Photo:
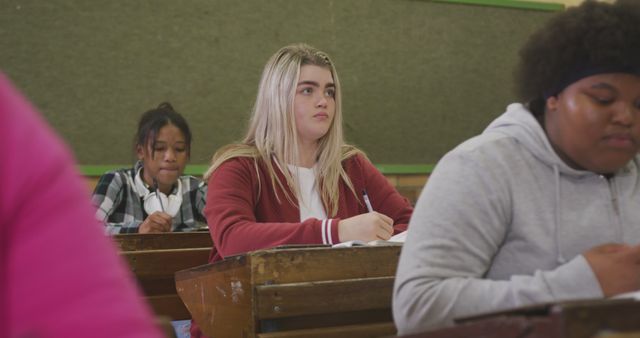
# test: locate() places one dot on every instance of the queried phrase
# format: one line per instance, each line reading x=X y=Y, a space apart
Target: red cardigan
x=242 y=218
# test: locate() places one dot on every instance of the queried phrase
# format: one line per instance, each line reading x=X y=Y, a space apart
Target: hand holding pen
x=366 y=227
x=157 y=222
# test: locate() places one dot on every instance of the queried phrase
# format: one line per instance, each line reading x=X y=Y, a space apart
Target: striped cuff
x=327 y=237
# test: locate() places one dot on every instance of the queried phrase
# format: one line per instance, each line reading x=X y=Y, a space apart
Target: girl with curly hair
x=543 y=205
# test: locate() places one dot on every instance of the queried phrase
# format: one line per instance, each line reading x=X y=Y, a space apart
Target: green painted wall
x=418 y=76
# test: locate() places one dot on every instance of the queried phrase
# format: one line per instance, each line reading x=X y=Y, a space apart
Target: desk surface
x=576 y=319
x=164 y=240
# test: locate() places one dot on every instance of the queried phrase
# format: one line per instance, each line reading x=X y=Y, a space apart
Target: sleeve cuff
x=329 y=231
x=129 y=230
x=574 y=280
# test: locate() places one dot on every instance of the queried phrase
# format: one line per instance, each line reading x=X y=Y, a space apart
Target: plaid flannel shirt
x=121 y=209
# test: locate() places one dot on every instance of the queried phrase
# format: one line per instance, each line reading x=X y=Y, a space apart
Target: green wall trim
x=395 y=169
x=198 y=169
x=98 y=170
x=521 y=4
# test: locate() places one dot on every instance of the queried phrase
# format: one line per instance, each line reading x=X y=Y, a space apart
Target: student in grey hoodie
x=544 y=205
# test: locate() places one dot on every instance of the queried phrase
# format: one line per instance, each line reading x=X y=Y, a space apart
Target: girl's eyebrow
x=314 y=83
x=604 y=85
x=309 y=82
x=165 y=142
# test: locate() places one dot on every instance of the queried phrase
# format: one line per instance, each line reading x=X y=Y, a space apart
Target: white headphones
x=152 y=199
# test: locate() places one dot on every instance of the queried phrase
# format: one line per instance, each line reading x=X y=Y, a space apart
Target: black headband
x=586 y=71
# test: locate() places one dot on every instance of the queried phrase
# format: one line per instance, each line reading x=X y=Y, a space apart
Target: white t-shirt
x=310 y=202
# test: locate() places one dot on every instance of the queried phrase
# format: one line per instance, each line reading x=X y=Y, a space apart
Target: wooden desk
x=165 y=240
x=154 y=260
x=580 y=319
x=294 y=292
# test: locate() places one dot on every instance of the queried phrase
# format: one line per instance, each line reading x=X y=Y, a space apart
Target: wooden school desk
x=578 y=319
x=154 y=260
x=163 y=240
x=294 y=292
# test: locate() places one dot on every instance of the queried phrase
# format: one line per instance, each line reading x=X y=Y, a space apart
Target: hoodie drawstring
x=613 y=190
x=556 y=217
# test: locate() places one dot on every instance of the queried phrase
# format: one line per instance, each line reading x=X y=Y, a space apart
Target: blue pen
x=367 y=201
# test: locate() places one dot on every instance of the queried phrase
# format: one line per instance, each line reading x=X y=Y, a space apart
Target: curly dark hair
x=594 y=35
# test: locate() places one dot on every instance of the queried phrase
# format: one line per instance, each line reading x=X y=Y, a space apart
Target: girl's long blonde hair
x=272 y=134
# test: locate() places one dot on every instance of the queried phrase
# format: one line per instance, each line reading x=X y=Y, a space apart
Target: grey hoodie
x=503 y=221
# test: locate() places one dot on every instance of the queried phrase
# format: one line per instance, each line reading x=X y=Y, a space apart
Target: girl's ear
x=140 y=152
x=551 y=104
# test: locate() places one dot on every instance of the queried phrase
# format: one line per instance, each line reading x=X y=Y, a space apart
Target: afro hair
x=593 y=35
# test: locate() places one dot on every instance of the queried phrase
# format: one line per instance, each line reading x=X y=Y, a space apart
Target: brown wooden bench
x=154 y=263
x=296 y=292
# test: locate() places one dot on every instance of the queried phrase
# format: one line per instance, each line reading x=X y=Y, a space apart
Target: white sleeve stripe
x=329 y=231
x=323 y=230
